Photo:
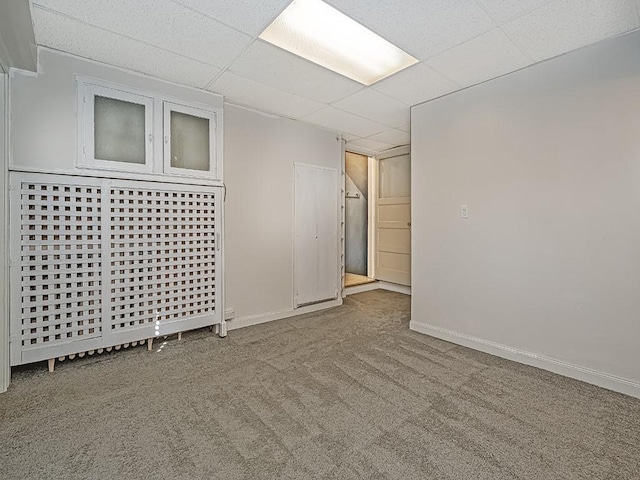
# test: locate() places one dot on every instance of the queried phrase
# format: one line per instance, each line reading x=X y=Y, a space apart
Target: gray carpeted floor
x=342 y=394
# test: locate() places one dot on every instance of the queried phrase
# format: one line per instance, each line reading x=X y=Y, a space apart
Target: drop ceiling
x=214 y=45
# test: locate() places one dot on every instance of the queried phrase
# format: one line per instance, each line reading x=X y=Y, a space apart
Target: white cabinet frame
x=214 y=155
x=158 y=107
x=86 y=127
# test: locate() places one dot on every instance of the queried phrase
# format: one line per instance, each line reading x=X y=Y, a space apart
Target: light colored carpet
x=342 y=394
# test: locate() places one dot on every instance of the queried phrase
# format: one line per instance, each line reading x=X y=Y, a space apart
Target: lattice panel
x=162 y=260
x=60 y=264
x=95 y=262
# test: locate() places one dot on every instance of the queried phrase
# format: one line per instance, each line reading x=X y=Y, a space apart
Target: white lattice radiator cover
x=101 y=262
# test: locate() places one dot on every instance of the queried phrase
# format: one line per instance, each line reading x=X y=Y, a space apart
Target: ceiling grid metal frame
x=214 y=45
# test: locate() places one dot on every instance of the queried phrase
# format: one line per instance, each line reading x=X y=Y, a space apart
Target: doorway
x=377 y=217
x=357 y=220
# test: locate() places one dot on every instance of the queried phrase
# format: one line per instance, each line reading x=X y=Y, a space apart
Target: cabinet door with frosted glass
x=117 y=129
x=190 y=143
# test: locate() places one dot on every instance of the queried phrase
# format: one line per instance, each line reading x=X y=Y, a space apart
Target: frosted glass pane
x=395 y=177
x=119 y=130
x=189 y=141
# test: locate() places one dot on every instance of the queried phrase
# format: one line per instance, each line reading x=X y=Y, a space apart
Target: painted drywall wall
x=5 y=373
x=43 y=108
x=356 y=213
x=546 y=269
x=259 y=154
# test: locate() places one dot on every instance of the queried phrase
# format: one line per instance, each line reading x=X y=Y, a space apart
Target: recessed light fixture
x=320 y=33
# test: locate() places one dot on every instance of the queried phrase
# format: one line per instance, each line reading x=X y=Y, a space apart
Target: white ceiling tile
x=273 y=66
x=421 y=28
x=457 y=37
x=564 y=25
x=367 y=145
x=62 y=33
x=340 y=121
x=162 y=23
x=249 y=93
x=487 y=56
x=415 y=85
x=392 y=137
x=247 y=15
x=376 y=106
x=504 y=10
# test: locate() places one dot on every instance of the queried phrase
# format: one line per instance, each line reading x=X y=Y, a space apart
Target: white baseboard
x=365 y=287
x=601 y=379
x=249 y=320
x=392 y=287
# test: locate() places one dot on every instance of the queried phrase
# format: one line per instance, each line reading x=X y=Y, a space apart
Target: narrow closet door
x=316 y=234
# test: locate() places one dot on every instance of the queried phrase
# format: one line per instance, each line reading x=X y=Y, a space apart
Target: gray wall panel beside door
x=356 y=213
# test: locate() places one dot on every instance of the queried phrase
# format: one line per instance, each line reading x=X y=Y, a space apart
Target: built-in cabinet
x=118 y=125
x=126 y=245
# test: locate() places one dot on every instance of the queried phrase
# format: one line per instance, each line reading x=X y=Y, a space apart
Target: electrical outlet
x=229 y=314
x=464 y=211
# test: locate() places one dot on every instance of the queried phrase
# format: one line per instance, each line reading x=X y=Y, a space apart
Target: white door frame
x=5 y=370
x=371 y=221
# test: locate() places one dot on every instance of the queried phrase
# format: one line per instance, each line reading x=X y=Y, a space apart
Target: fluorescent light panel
x=320 y=33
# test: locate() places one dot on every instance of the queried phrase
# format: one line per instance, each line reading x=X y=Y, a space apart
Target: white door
x=316 y=271
x=393 y=219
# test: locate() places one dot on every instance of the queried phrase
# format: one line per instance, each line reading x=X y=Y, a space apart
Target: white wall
x=546 y=270
x=4 y=235
x=259 y=154
x=43 y=108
